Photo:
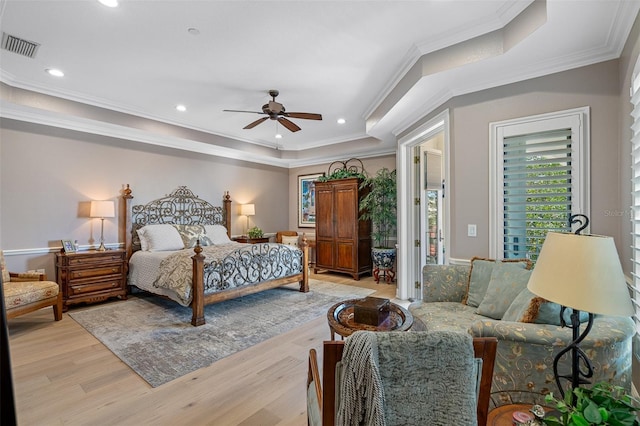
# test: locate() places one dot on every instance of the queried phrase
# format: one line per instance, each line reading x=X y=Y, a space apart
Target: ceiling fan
x=276 y=111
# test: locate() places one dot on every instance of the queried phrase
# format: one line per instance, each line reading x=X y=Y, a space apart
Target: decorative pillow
x=508 y=279
x=161 y=237
x=480 y=275
x=290 y=241
x=190 y=235
x=217 y=234
x=527 y=307
x=144 y=244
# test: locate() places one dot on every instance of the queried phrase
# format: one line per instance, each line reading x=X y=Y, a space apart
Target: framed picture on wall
x=68 y=247
x=307 y=200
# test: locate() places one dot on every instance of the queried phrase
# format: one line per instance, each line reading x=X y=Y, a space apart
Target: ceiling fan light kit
x=276 y=111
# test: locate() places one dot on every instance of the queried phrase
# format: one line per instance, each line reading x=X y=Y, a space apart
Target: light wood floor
x=64 y=376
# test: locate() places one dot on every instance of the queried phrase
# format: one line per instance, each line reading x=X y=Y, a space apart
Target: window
x=539 y=179
x=635 y=191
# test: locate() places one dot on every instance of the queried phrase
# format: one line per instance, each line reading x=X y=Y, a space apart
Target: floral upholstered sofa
x=489 y=298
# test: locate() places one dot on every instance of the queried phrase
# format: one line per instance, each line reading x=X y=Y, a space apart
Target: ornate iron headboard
x=181 y=207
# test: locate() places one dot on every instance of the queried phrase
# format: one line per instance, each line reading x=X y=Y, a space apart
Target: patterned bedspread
x=228 y=266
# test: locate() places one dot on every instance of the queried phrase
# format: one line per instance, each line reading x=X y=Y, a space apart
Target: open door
x=432 y=243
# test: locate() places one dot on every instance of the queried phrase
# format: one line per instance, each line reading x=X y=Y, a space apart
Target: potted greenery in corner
x=602 y=404
x=380 y=206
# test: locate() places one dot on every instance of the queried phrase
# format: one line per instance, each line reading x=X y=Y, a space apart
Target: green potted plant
x=380 y=206
x=602 y=404
x=255 y=232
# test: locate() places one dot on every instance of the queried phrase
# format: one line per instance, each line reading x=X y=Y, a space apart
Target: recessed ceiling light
x=181 y=108
x=109 y=3
x=341 y=121
x=278 y=136
x=55 y=72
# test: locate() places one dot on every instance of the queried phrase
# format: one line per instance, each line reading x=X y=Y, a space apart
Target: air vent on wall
x=18 y=45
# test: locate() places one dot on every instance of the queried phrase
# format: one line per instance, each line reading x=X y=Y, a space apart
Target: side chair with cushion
x=287 y=237
x=437 y=378
x=28 y=292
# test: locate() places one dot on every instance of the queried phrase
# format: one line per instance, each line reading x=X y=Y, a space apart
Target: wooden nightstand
x=91 y=276
x=251 y=240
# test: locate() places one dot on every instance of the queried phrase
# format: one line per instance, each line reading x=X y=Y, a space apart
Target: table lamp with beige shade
x=102 y=210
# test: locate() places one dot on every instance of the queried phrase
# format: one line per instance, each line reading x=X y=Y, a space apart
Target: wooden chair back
x=483 y=347
x=281 y=234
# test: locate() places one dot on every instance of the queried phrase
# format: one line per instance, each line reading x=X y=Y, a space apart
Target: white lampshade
x=582 y=272
x=102 y=209
x=248 y=210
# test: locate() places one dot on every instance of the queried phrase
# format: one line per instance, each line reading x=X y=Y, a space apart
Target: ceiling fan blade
x=305 y=115
x=255 y=123
x=289 y=124
x=236 y=110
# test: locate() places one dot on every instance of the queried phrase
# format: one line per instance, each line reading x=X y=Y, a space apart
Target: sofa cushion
x=527 y=307
x=444 y=316
x=507 y=281
x=480 y=275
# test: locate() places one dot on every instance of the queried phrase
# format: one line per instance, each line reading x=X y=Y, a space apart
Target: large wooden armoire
x=343 y=242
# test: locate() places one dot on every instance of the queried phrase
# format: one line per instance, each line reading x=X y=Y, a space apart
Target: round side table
x=340 y=318
x=503 y=415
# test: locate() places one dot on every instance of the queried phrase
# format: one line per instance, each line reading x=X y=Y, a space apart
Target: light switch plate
x=472 y=230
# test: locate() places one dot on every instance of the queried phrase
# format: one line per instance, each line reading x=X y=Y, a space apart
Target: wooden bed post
x=304 y=284
x=226 y=203
x=197 y=290
x=128 y=238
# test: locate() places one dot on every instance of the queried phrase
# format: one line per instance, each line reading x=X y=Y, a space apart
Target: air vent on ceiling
x=18 y=45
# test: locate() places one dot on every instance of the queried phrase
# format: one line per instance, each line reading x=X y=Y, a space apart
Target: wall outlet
x=472 y=230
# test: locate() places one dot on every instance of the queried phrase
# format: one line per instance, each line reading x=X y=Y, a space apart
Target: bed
x=202 y=265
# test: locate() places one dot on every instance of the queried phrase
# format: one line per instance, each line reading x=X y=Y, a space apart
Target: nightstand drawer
x=91 y=260
x=95 y=272
x=93 y=287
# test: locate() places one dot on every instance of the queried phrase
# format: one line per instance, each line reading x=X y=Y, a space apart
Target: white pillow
x=161 y=237
x=217 y=234
x=290 y=241
x=144 y=245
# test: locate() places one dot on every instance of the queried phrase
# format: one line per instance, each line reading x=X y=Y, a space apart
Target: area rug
x=155 y=337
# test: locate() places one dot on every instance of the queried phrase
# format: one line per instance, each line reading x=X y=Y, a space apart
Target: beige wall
x=595 y=86
x=48 y=174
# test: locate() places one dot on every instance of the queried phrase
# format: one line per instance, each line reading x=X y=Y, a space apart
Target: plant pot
x=383 y=260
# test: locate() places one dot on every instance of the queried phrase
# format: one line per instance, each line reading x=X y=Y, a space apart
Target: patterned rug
x=155 y=337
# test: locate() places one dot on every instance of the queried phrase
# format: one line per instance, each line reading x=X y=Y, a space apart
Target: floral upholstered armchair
x=527 y=328
x=28 y=292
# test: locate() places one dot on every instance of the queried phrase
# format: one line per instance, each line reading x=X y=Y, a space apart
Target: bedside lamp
x=102 y=209
x=247 y=210
x=581 y=272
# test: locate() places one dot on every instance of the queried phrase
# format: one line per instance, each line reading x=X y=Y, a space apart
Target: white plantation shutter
x=536 y=190
x=538 y=178
x=635 y=195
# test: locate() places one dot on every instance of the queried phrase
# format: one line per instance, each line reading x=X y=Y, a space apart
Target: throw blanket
x=409 y=378
x=227 y=266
